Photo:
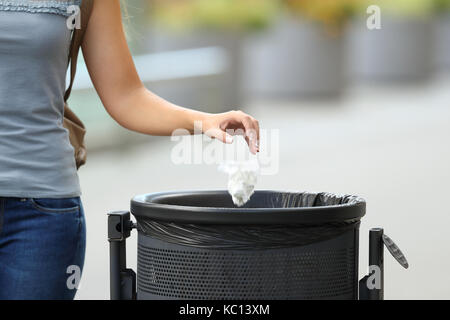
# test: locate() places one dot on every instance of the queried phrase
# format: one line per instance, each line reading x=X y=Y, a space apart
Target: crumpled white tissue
x=242 y=178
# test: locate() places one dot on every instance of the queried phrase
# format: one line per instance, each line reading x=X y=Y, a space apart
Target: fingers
x=250 y=134
x=251 y=127
x=219 y=134
x=235 y=123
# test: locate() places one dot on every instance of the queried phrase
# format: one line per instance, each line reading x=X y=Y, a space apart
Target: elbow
x=120 y=102
x=124 y=107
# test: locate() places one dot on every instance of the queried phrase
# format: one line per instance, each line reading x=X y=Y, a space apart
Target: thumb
x=219 y=134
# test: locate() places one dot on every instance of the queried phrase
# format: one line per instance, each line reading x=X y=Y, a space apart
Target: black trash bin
x=280 y=245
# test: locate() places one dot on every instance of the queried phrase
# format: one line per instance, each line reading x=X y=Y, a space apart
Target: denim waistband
x=2 y=211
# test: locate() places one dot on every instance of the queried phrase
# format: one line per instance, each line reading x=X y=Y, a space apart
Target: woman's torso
x=36 y=158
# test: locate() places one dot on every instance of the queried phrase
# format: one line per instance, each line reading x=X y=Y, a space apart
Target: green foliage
x=408 y=8
x=442 y=5
x=214 y=14
x=331 y=13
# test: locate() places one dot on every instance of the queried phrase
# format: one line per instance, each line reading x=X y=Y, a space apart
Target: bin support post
x=371 y=287
x=122 y=280
x=376 y=262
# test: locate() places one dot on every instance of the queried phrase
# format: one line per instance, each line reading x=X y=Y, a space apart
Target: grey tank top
x=36 y=157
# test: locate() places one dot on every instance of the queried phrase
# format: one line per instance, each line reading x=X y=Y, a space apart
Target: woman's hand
x=223 y=126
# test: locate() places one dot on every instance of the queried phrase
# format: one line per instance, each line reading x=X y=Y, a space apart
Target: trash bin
x=199 y=245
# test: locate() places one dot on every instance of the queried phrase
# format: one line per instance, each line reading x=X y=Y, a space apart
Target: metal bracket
x=122 y=280
x=119 y=225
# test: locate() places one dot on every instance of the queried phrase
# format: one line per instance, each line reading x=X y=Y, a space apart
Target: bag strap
x=77 y=40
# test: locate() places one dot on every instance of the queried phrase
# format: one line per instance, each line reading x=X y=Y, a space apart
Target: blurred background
x=360 y=111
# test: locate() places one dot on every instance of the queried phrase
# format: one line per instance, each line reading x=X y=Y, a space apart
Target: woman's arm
x=124 y=96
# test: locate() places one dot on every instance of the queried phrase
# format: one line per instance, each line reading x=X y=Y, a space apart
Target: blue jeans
x=42 y=247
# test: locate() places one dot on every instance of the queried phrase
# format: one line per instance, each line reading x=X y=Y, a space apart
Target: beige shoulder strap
x=77 y=40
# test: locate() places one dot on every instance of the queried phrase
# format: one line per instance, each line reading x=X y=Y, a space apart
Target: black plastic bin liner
x=269 y=220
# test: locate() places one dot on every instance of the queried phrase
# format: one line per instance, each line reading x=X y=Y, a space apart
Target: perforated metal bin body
x=320 y=268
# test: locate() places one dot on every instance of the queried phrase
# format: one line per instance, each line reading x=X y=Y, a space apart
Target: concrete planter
x=442 y=41
x=211 y=93
x=294 y=59
x=400 y=51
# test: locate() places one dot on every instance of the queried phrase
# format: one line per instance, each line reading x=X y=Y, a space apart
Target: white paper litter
x=242 y=178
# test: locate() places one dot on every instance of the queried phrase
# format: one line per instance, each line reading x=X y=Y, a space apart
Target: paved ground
x=390 y=146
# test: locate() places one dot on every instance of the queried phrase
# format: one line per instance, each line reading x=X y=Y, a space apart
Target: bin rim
x=143 y=207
